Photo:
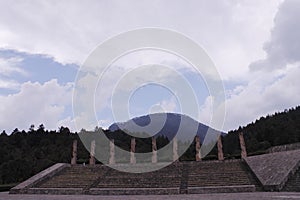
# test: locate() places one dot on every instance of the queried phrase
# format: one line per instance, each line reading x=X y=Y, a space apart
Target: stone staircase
x=220 y=176
x=279 y=171
x=164 y=181
x=293 y=184
x=168 y=177
x=177 y=178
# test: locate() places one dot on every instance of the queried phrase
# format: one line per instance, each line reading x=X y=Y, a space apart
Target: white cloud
x=284 y=46
x=8 y=67
x=268 y=93
x=35 y=104
x=206 y=111
x=67 y=122
x=231 y=31
x=11 y=65
x=8 y=84
x=168 y=105
x=273 y=81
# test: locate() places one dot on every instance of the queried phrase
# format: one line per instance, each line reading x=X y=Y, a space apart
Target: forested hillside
x=25 y=153
x=273 y=130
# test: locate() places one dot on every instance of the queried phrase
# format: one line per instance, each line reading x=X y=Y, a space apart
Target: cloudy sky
x=254 y=45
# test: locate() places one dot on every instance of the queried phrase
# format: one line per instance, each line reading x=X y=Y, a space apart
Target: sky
x=254 y=45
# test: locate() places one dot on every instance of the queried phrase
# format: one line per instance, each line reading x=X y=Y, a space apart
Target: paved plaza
x=225 y=196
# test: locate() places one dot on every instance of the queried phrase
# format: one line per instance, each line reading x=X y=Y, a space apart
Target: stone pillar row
x=198 y=146
x=154 y=150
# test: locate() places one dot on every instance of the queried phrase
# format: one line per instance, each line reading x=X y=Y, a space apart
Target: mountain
x=153 y=124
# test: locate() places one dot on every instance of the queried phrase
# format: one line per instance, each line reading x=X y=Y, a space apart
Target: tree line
x=25 y=153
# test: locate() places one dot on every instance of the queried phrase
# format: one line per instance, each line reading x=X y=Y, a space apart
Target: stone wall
x=287 y=147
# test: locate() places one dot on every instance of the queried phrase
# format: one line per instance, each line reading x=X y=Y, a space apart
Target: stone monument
x=197 y=140
x=112 y=152
x=154 y=150
x=74 y=154
x=243 y=146
x=132 y=151
x=92 y=154
x=175 y=149
x=220 y=149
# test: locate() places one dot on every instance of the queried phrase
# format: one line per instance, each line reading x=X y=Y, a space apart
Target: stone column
x=112 y=152
x=220 y=149
x=197 y=140
x=132 y=151
x=175 y=149
x=74 y=154
x=243 y=146
x=154 y=150
x=92 y=153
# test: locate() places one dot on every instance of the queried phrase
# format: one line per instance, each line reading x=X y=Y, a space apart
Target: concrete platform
x=220 y=196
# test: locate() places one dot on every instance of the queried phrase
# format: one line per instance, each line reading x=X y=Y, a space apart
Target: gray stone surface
x=225 y=196
x=57 y=191
x=274 y=169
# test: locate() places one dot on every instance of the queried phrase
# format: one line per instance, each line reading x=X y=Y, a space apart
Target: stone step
x=134 y=191
x=221 y=189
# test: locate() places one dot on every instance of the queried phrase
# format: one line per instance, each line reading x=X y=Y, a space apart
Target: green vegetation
x=25 y=153
x=272 y=130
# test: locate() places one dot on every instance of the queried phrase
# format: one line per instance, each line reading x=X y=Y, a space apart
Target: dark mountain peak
x=167 y=124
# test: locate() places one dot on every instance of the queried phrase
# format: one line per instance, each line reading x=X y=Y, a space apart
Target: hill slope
x=152 y=124
x=272 y=130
